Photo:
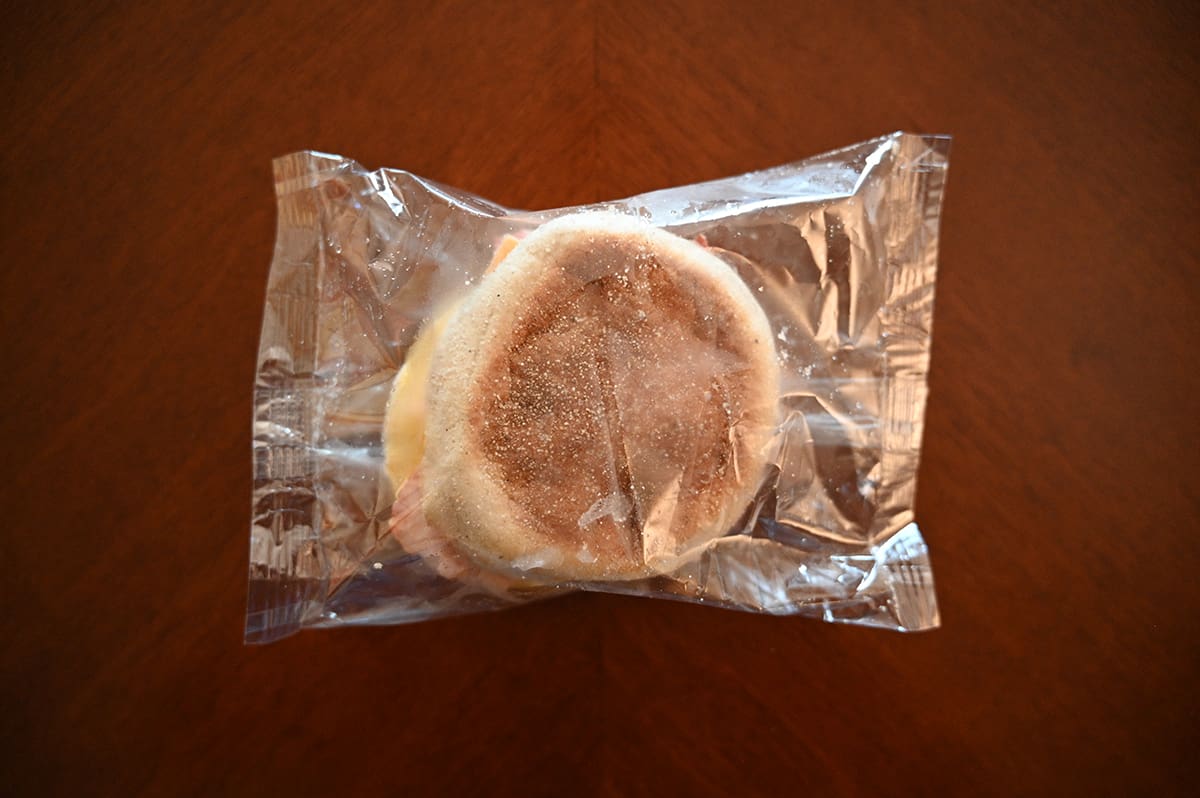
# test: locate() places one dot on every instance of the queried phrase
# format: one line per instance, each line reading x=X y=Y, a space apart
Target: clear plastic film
x=374 y=306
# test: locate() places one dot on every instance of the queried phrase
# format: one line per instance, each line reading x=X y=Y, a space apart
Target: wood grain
x=1058 y=487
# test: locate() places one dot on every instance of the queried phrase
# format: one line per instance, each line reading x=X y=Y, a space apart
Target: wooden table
x=1058 y=487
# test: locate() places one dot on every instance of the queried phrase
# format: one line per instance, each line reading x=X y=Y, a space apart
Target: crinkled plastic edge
x=287 y=580
x=914 y=199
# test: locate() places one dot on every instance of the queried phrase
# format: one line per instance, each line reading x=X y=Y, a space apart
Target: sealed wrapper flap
x=373 y=270
x=287 y=574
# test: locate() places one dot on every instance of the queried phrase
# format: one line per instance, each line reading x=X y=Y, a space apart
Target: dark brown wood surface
x=1057 y=491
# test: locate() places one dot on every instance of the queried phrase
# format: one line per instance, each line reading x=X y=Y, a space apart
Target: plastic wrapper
x=710 y=393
